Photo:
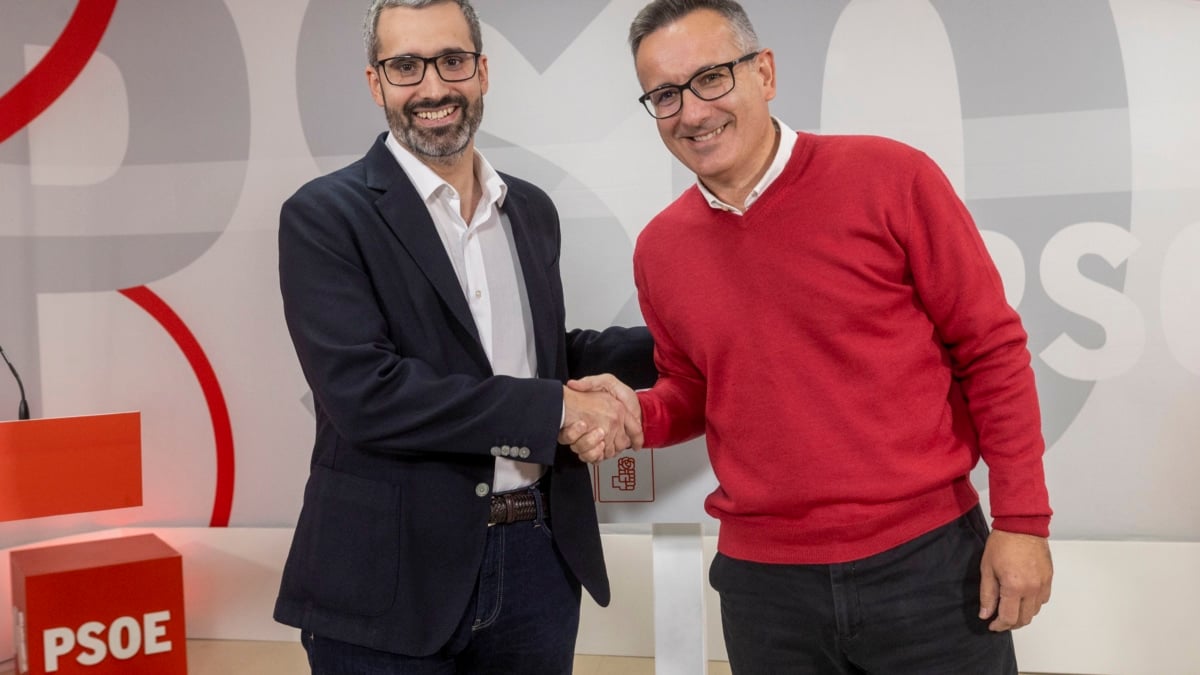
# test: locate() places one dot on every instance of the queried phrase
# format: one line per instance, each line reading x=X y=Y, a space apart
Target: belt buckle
x=498 y=515
x=519 y=505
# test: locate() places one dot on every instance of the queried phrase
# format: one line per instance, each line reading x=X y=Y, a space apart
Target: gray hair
x=660 y=13
x=371 y=23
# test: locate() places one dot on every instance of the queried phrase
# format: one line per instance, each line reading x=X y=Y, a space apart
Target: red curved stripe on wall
x=58 y=68
x=217 y=410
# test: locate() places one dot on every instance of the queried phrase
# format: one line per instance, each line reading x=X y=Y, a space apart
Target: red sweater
x=847 y=348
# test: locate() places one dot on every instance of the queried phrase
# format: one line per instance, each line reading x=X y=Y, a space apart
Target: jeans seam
x=484 y=623
x=841 y=587
x=856 y=615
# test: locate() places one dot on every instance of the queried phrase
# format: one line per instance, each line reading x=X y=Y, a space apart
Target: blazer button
x=524 y=453
x=495 y=451
x=505 y=451
x=482 y=490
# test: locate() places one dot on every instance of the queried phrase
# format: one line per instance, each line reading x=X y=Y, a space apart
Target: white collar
x=787 y=142
x=428 y=183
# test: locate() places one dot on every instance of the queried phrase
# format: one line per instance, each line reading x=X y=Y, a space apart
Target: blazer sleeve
x=627 y=353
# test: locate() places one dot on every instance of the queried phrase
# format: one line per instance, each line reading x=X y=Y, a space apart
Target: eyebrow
x=443 y=52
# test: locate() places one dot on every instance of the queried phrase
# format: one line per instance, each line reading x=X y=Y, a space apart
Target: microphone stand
x=23 y=407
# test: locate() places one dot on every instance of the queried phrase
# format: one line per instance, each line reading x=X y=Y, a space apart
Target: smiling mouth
x=710 y=135
x=434 y=115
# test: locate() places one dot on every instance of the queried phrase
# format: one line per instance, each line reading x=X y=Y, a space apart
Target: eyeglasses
x=709 y=84
x=408 y=70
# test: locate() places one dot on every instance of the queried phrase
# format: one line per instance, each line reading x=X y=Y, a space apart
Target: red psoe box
x=107 y=607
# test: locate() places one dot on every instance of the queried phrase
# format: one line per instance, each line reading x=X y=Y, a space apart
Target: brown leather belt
x=517 y=506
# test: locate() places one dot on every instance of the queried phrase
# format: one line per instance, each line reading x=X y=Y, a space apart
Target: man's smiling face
x=722 y=141
x=436 y=120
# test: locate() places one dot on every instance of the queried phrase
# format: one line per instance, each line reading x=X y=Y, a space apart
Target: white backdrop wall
x=1068 y=127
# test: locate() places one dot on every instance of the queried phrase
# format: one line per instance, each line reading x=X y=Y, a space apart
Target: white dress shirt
x=484 y=257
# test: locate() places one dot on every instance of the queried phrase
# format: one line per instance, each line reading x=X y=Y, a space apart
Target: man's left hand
x=1017 y=573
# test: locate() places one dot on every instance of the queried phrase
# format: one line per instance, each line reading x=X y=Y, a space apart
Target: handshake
x=602 y=418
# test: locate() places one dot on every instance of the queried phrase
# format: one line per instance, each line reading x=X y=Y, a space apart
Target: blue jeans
x=911 y=609
x=523 y=619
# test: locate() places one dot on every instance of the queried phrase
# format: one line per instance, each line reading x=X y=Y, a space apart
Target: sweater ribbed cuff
x=1038 y=526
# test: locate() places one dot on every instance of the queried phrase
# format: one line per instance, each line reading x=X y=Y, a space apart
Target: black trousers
x=912 y=609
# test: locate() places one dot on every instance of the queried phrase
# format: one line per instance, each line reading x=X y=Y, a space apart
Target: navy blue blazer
x=391 y=533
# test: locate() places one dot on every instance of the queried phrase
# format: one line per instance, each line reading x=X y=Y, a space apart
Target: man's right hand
x=603 y=418
x=595 y=443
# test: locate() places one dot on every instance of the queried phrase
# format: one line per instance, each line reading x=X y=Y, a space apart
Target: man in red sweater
x=824 y=309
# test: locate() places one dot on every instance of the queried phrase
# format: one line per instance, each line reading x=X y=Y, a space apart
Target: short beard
x=439 y=146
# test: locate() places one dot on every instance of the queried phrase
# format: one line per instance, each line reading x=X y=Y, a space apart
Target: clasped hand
x=603 y=418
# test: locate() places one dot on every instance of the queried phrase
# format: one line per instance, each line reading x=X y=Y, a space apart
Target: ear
x=374 y=84
x=765 y=69
x=483 y=74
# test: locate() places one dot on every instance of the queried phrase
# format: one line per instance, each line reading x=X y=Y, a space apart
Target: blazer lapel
x=537 y=285
x=408 y=217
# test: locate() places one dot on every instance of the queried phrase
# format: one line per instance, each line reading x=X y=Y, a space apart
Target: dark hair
x=660 y=13
x=371 y=23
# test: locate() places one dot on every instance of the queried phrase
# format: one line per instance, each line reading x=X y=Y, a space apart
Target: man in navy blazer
x=444 y=528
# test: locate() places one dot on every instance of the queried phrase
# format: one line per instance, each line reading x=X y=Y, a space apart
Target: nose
x=432 y=86
x=694 y=111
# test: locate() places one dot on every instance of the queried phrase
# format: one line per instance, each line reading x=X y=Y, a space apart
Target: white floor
x=235 y=657
x=217 y=657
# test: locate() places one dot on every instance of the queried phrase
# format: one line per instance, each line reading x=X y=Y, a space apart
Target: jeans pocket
x=975 y=521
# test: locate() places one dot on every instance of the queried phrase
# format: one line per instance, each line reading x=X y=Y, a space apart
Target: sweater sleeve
x=673 y=409
x=961 y=290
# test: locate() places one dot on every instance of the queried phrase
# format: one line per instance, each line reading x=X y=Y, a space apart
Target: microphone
x=23 y=408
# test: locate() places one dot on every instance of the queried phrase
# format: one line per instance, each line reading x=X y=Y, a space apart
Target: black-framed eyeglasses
x=709 y=84
x=408 y=70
